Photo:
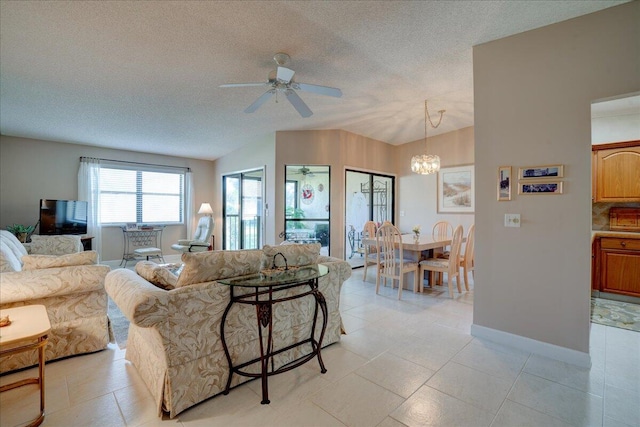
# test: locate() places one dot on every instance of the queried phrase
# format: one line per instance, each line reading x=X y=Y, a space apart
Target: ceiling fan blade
x=298 y=103
x=261 y=100
x=322 y=90
x=244 y=84
x=285 y=74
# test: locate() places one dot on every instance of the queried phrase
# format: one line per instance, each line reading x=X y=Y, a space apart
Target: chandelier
x=426 y=164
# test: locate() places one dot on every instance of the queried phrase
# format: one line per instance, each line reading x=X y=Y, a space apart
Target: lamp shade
x=205 y=209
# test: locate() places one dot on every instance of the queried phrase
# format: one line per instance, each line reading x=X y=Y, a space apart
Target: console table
x=258 y=290
x=29 y=330
x=142 y=243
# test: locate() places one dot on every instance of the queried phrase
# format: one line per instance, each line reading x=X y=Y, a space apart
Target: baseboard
x=551 y=351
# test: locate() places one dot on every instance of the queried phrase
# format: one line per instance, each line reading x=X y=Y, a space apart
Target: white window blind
x=137 y=194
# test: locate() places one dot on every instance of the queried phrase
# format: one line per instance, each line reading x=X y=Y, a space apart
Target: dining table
x=417 y=248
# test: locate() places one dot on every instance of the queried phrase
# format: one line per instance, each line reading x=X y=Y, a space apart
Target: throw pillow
x=200 y=267
x=8 y=260
x=160 y=275
x=296 y=255
x=35 y=262
x=13 y=244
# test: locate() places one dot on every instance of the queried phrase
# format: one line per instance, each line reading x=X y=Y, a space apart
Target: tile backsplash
x=600 y=214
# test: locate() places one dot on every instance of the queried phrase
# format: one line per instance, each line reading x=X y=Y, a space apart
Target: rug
x=622 y=315
x=119 y=324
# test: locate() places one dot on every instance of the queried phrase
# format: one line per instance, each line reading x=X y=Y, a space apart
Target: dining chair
x=390 y=266
x=467 y=259
x=370 y=251
x=451 y=266
x=441 y=230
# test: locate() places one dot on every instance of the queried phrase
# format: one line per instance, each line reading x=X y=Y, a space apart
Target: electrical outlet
x=512 y=220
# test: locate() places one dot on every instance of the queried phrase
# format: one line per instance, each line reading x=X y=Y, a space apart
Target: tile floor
x=410 y=362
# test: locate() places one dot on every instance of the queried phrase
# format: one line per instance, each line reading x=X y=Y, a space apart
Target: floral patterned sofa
x=70 y=286
x=174 y=334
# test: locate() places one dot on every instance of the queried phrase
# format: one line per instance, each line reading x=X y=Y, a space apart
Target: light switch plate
x=512 y=220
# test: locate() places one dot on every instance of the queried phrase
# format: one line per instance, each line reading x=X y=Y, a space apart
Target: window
x=137 y=195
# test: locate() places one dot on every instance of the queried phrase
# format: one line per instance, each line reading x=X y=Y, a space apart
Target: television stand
x=86 y=242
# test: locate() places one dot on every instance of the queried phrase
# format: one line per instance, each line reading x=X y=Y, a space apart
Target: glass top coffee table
x=258 y=290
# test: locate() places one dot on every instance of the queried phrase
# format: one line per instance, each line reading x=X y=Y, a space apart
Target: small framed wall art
x=504 y=183
x=540 y=187
x=541 y=172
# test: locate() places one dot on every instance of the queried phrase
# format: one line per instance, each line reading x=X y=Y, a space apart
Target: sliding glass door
x=369 y=197
x=242 y=211
x=307 y=213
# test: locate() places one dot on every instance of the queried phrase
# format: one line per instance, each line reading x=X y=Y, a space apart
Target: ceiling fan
x=281 y=81
x=306 y=171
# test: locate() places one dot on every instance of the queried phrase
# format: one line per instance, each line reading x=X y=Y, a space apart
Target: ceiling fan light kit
x=426 y=164
x=281 y=81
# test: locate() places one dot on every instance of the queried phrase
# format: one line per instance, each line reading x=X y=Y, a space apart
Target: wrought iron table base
x=264 y=316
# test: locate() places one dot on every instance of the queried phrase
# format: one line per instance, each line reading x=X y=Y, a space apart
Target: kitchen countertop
x=622 y=234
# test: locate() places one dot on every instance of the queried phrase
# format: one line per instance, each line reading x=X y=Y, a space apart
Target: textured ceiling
x=145 y=75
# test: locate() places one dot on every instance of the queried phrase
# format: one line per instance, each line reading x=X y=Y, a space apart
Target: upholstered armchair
x=200 y=241
x=70 y=286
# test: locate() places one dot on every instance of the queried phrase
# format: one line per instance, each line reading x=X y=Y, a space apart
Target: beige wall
x=338 y=149
x=417 y=193
x=33 y=169
x=258 y=154
x=533 y=94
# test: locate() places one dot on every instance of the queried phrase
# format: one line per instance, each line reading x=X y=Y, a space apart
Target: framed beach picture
x=541 y=172
x=504 y=183
x=456 y=190
x=540 y=187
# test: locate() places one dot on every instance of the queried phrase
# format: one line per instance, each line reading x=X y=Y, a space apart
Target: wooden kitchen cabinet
x=616 y=172
x=618 y=265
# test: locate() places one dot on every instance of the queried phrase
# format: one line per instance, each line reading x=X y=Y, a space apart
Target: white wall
x=617 y=126
x=533 y=93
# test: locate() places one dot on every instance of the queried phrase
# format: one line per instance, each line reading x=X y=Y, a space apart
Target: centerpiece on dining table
x=416 y=232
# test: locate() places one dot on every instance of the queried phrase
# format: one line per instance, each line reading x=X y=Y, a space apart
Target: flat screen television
x=63 y=216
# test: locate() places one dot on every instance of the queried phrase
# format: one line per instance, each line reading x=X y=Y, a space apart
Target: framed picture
x=456 y=188
x=504 y=183
x=540 y=187
x=541 y=172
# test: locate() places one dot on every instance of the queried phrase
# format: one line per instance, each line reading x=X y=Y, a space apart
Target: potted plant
x=22 y=232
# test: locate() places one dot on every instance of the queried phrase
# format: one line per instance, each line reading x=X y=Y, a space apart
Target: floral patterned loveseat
x=70 y=286
x=174 y=335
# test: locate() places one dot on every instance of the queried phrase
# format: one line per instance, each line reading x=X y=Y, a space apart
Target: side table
x=261 y=288
x=29 y=330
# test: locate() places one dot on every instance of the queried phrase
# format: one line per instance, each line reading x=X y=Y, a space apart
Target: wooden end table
x=29 y=330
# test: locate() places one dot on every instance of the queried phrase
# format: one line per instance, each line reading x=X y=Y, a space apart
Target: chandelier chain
x=426 y=164
x=428 y=117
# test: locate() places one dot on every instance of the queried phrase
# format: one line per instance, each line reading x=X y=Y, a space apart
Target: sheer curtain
x=188 y=204
x=89 y=190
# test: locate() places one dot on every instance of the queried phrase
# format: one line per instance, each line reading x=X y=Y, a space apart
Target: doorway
x=242 y=210
x=307 y=210
x=369 y=197
x=614 y=122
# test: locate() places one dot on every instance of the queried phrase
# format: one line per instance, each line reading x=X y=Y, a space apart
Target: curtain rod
x=136 y=163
